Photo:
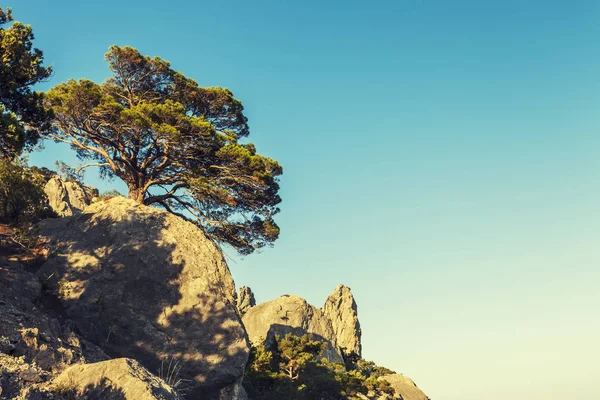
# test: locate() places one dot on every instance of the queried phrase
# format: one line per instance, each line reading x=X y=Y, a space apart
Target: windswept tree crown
x=175 y=144
x=22 y=114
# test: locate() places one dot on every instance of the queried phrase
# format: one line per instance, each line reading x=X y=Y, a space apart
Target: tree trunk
x=136 y=194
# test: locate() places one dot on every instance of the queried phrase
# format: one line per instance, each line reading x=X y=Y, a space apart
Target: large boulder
x=118 y=379
x=405 y=388
x=68 y=198
x=145 y=284
x=336 y=323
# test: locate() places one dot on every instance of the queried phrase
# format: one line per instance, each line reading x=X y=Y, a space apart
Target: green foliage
x=175 y=144
x=109 y=194
x=260 y=359
x=22 y=198
x=22 y=114
x=293 y=371
x=369 y=368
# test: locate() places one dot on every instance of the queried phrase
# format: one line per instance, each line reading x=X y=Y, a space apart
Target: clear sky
x=441 y=158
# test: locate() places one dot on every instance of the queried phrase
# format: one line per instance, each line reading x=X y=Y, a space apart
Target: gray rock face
x=144 y=284
x=291 y=313
x=340 y=308
x=245 y=299
x=405 y=388
x=68 y=198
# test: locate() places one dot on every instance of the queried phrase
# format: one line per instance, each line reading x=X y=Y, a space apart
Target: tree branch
x=77 y=143
x=170 y=194
x=169 y=209
x=78 y=169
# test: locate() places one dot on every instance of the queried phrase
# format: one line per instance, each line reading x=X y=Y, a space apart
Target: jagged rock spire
x=340 y=308
x=245 y=299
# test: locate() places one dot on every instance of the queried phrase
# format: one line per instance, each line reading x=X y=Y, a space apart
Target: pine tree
x=175 y=144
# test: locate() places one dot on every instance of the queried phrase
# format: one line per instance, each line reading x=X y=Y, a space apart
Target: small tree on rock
x=295 y=352
x=175 y=144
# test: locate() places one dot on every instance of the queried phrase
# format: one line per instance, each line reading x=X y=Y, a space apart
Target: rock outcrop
x=336 y=323
x=245 y=299
x=405 y=388
x=145 y=284
x=118 y=379
x=68 y=198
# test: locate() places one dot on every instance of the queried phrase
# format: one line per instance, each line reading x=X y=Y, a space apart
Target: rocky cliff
x=336 y=322
x=68 y=198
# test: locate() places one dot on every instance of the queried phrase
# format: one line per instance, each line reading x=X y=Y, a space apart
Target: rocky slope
x=118 y=293
x=35 y=343
x=336 y=322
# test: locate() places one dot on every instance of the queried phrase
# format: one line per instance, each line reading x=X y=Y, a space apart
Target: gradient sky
x=441 y=158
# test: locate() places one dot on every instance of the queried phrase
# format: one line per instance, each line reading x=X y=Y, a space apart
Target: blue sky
x=441 y=158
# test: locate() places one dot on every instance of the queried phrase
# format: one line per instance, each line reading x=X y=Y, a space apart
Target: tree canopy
x=22 y=114
x=175 y=144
